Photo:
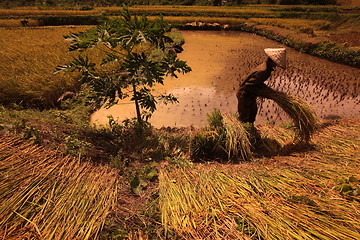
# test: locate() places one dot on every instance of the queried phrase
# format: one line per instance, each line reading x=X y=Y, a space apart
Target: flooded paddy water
x=221 y=59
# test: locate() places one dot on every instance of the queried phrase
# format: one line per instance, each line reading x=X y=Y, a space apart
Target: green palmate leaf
x=146 y=99
x=174 y=65
x=146 y=115
x=83 y=40
x=109 y=58
x=82 y=64
x=138 y=54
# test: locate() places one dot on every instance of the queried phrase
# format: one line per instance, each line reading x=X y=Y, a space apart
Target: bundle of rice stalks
x=58 y=198
x=237 y=142
x=226 y=138
x=303 y=117
x=207 y=145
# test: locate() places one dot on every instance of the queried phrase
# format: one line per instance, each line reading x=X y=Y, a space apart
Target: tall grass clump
x=51 y=197
x=225 y=138
x=237 y=142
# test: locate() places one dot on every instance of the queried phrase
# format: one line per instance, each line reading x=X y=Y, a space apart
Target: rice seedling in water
x=60 y=198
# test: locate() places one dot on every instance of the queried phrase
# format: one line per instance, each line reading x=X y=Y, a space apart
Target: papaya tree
x=136 y=55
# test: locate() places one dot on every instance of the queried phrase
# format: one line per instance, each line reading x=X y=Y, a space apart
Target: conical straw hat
x=278 y=55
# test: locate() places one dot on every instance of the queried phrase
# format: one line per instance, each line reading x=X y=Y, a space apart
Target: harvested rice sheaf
x=303 y=117
x=237 y=142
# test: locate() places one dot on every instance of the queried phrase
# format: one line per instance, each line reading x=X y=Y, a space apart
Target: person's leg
x=252 y=108
x=247 y=107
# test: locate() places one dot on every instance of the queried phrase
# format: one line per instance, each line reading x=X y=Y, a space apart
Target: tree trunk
x=137 y=106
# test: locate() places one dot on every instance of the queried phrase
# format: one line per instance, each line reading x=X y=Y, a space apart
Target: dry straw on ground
x=50 y=197
x=281 y=198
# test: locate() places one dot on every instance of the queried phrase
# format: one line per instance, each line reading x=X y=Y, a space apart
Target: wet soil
x=221 y=60
x=351 y=39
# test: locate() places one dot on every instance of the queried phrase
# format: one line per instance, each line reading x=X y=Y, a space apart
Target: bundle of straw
x=237 y=142
x=302 y=115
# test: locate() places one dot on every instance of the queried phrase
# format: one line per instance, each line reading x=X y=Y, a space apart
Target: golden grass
x=253 y=9
x=17 y=23
x=148 y=9
x=22 y=12
x=189 y=19
x=248 y=10
x=292 y=24
x=282 y=198
x=237 y=142
x=38 y=12
x=50 y=196
x=28 y=60
x=301 y=114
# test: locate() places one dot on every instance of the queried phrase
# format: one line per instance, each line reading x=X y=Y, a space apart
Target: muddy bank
x=220 y=60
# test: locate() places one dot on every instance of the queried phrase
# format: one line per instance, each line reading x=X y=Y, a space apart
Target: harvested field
x=43 y=195
x=301 y=196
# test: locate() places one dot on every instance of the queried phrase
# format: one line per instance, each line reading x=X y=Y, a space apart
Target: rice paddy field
x=309 y=191
x=221 y=60
x=28 y=59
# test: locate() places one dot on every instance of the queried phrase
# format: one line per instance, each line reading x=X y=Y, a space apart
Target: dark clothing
x=253 y=86
x=259 y=75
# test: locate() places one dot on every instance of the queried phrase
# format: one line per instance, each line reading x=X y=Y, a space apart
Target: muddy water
x=220 y=60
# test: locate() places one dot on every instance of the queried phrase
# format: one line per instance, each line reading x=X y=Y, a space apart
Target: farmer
x=253 y=86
